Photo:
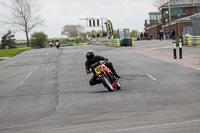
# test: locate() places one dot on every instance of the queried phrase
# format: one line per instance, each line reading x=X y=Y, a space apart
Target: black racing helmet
x=90 y=55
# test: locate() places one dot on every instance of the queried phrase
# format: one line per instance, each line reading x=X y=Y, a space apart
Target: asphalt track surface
x=47 y=91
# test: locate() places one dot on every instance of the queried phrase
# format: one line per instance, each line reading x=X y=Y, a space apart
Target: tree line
x=77 y=31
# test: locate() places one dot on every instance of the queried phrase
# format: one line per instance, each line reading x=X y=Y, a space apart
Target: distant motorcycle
x=57 y=45
x=106 y=76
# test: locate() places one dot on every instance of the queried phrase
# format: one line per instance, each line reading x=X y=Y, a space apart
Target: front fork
x=106 y=75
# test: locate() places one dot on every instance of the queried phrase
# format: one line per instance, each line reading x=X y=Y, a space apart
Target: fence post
x=180 y=48
x=174 y=48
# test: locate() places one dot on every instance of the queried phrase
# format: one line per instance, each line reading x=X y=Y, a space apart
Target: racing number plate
x=98 y=69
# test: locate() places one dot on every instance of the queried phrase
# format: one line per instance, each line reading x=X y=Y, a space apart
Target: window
x=159 y=16
x=183 y=10
x=155 y=16
x=178 y=11
x=196 y=9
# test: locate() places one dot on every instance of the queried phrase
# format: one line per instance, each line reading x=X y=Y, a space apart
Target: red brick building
x=172 y=13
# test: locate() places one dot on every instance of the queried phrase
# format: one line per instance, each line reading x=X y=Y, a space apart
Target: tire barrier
x=191 y=40
x=127 y=42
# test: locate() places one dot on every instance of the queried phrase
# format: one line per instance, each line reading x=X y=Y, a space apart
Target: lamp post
x=169 y=11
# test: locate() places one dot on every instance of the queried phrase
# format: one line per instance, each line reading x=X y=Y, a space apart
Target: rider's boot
x=116 y=75
x=98 y=82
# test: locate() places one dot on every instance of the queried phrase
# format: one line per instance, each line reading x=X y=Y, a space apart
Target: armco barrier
x=191 y=40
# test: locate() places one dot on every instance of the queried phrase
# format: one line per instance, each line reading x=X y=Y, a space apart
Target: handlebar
x=95 y=64
x=98 y=63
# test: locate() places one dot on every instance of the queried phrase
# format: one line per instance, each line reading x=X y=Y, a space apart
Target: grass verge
x=12 y=52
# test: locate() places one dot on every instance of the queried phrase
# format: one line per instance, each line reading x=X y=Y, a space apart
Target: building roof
x=181 y=3
x=184 y=2
x=189 y=18
x=195 y=17
x=155 y=12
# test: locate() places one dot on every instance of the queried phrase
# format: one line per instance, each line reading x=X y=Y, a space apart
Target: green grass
x=21 y=46
x=12 y=52
x=72 y=42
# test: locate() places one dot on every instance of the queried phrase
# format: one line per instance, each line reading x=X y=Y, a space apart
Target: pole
x=102 y=24
x=174 y=48
x=180 y=48
x=169 y=14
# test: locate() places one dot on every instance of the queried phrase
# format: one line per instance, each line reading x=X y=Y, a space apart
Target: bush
x=38 y=39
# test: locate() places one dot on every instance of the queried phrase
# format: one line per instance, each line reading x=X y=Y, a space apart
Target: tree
x=8 y=40
x=134 y=33
x=24 y=16
x=38 y=39
x=73 y=30
x=159 y=3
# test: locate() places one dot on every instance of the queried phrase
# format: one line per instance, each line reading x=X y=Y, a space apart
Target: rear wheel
x=106 y=82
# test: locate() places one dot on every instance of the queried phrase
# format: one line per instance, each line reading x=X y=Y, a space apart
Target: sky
x=58 y=13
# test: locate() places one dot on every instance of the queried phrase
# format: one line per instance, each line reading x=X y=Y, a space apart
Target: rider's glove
x=106 y=59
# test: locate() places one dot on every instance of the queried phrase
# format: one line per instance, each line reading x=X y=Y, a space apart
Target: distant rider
x=57 y=44
x=91 y=59
x=50 y=44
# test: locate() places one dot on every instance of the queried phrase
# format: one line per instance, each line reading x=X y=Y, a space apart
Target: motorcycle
x=106 y=76
x=57 y=45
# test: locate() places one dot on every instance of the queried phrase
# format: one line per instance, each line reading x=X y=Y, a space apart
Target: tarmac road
x=47 y=90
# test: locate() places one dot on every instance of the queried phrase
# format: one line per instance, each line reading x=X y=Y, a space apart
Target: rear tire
x=106 y=82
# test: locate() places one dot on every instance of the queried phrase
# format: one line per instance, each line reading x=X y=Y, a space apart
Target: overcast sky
x=58 y=13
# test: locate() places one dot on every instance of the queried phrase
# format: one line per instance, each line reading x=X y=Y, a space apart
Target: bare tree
x=73 y=30
x=159 y=3
x=24 y=16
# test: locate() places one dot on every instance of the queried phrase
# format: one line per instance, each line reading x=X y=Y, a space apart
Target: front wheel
x=106 y=82
x=118 y=85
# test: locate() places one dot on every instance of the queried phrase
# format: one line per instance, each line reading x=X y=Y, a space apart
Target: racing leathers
x=94 y=80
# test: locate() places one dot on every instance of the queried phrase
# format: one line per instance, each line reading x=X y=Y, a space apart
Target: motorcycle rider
x=57 y=43
x=91 y=59
x=50 y=44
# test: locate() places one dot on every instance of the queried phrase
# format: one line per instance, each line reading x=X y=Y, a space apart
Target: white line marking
x=36 y=67
x=22 y=82
x=150 y=76
x=47 y=53
x=151 y=126
x=29 y=74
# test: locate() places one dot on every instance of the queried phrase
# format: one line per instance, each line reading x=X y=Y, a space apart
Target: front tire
x=118 y=85
x=106 y=82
